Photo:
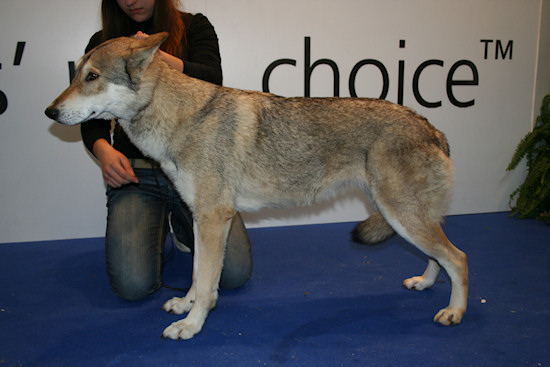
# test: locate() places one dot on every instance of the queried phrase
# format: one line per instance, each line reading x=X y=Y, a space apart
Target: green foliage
x=533 y=196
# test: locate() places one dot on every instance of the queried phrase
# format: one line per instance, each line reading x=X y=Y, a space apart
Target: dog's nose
x=52 y=113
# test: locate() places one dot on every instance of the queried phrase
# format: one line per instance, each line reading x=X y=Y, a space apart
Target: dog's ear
x=142 y=52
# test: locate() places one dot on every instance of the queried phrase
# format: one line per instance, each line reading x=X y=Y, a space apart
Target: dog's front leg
x=210 y=237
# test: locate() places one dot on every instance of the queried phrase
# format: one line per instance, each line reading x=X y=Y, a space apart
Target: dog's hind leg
x=411 y=191
x=425 y=280
x=430 y=239
x=210 y=236
x=454 y=262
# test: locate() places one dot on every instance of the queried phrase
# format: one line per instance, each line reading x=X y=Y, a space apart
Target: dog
x=229 y=150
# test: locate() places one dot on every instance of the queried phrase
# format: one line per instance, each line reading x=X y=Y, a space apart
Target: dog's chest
x=150 y=142
x=183 y=182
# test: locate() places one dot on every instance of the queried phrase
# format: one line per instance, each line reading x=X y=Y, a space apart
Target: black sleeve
x=204 y=60
x=94 y=130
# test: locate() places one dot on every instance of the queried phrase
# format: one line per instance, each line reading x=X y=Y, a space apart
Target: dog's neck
x=162 y=93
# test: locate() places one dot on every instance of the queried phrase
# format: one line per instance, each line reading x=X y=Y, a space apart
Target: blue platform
x=315 y=299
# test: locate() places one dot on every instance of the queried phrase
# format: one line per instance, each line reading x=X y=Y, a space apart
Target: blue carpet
x=315 y=299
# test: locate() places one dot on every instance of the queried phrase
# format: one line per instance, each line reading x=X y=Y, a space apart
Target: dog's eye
x=91 y=76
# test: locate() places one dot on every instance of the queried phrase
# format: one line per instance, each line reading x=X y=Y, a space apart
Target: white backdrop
x=50 y=188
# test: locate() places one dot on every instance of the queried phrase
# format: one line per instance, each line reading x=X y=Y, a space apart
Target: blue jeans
x=137 y=226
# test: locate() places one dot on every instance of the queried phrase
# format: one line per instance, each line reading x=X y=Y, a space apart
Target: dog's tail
x=373 y=230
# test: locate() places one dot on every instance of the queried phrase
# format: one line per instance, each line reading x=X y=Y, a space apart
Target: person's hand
x=115 y=167
x=140 y=35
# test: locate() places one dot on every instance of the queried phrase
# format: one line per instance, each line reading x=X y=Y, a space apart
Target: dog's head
x=106 y=81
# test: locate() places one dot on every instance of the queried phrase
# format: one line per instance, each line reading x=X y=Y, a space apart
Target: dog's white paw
x=449 y=316
x=178 y=305
x=418 y=283
x=182 y=329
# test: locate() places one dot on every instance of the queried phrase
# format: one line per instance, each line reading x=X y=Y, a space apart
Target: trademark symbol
x=497 y=48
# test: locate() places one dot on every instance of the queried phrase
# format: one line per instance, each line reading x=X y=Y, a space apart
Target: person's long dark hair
x=166 y=17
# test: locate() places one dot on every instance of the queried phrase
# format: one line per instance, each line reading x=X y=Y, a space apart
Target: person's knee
x=237 y=268
x=133 y=290
x=235 y=278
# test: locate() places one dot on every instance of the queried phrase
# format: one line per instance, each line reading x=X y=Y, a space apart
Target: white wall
x=543 y=66
x=50 y=188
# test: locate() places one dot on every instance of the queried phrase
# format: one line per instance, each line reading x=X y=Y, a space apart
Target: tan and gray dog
x=229 y=150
